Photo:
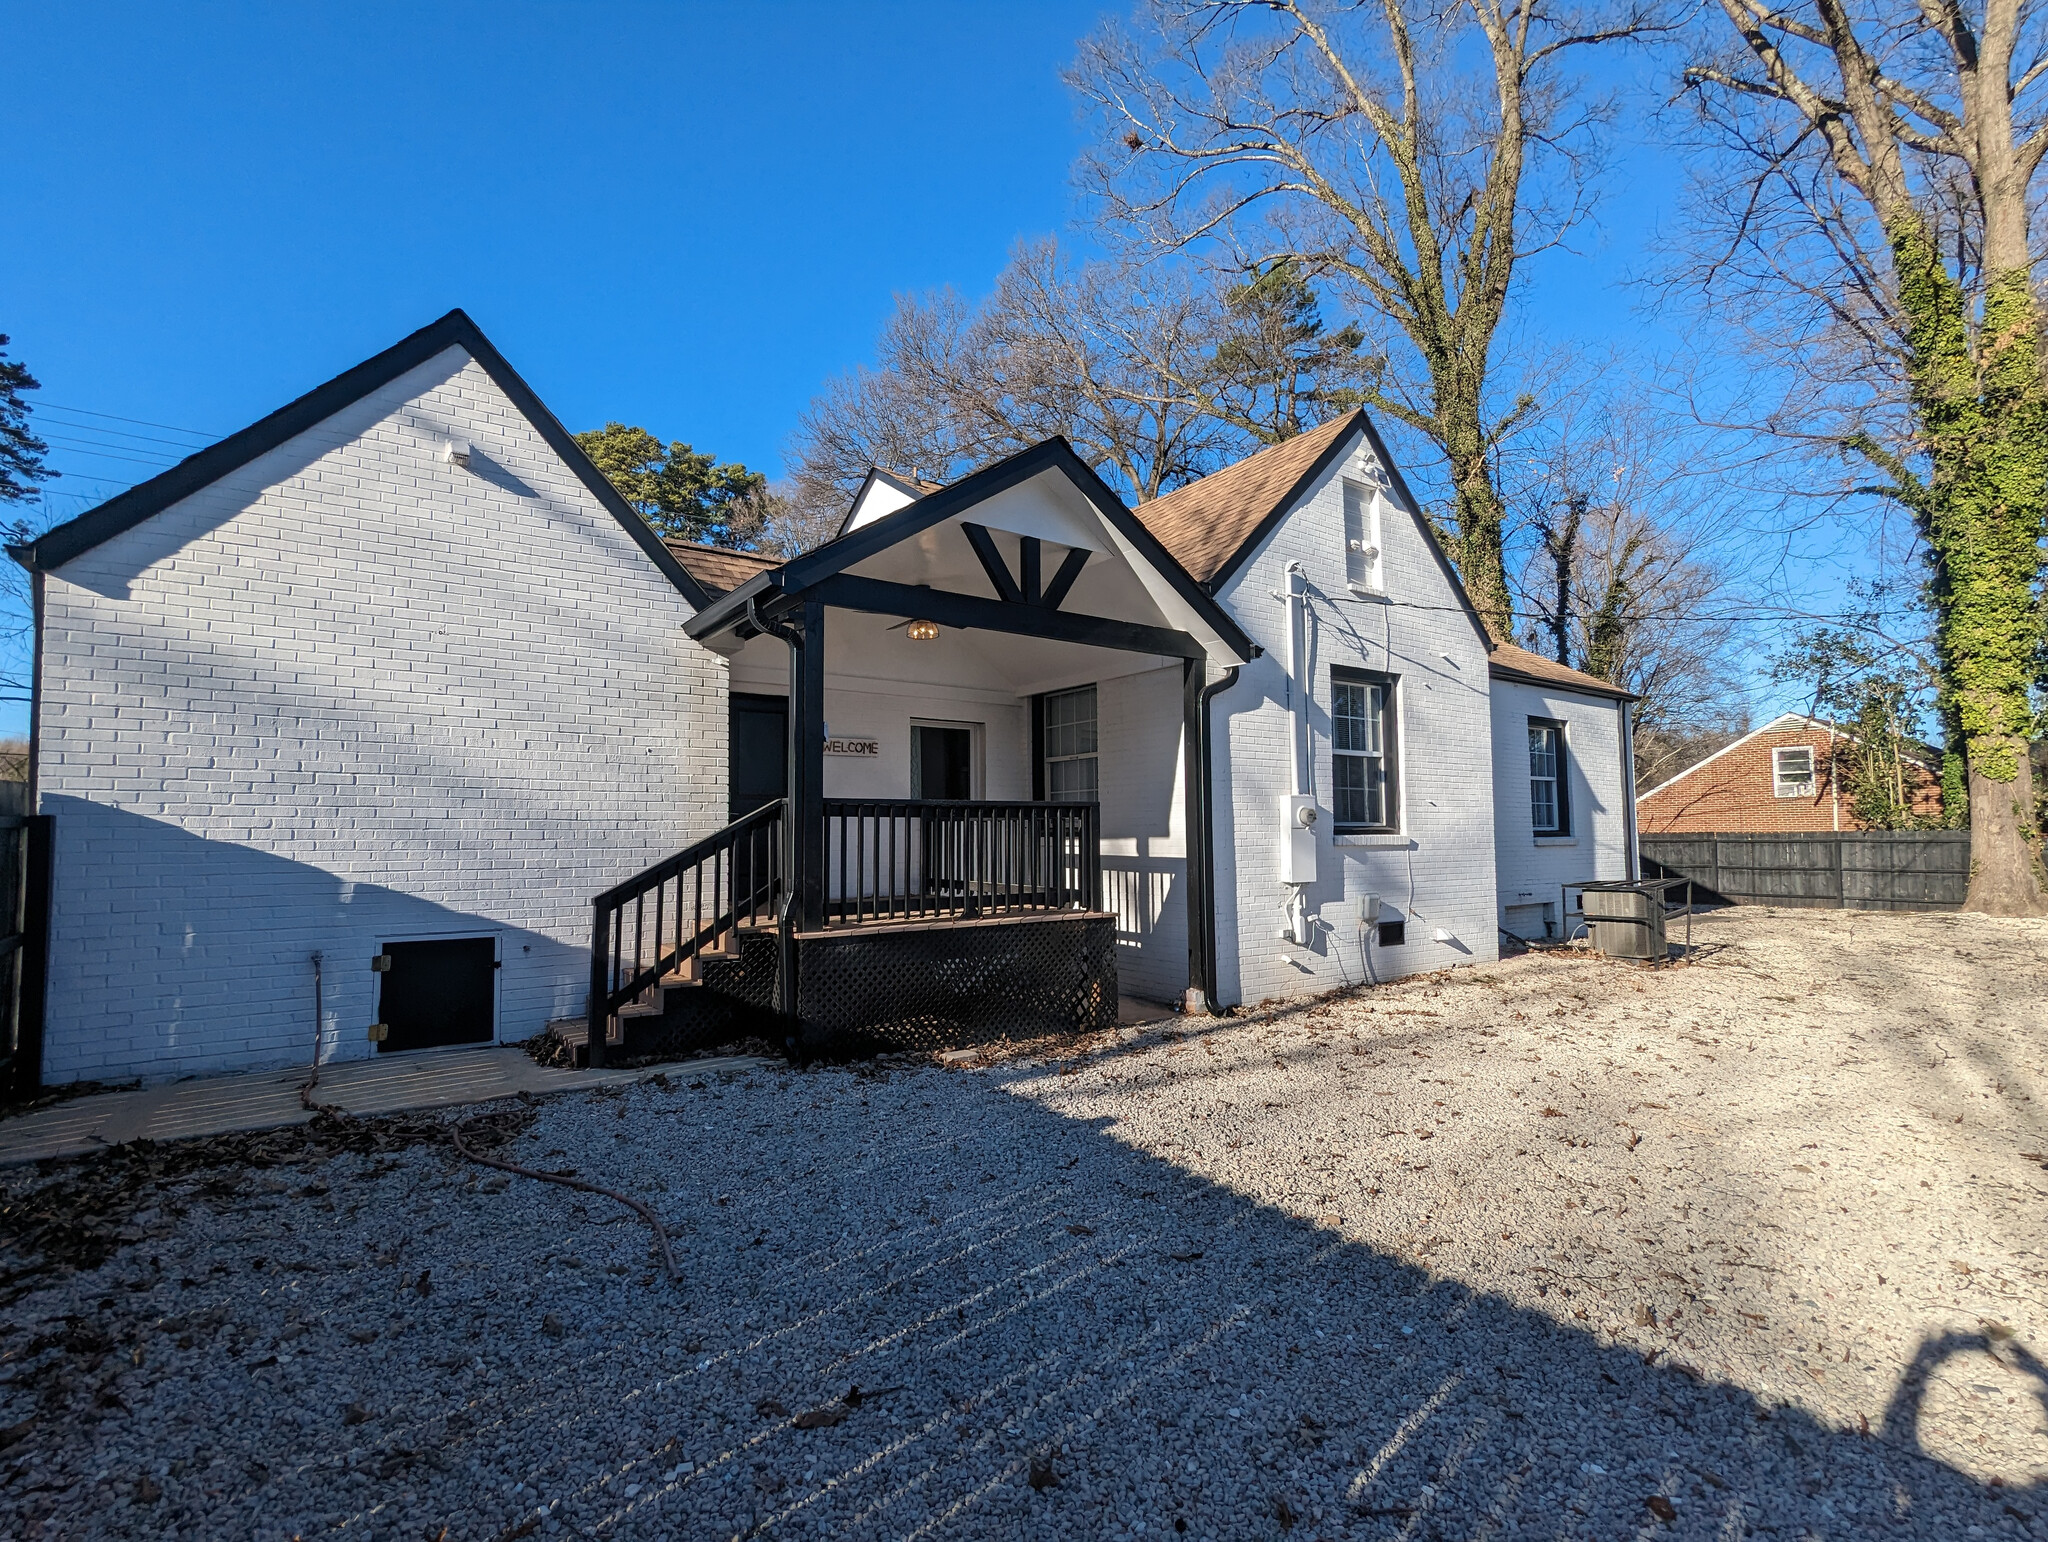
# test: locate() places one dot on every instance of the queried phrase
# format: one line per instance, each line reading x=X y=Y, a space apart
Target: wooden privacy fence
x=1849 y=870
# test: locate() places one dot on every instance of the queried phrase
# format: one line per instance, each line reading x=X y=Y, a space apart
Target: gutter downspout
x=1834 y=780
x=1297 y=930
x=1630 y=836
x=1202 y=854
x=1297 y=646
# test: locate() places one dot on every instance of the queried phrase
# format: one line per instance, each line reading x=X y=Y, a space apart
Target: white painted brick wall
x=348 y=695
x=1531 y=868
x=1144 y=829
x=1438 y=873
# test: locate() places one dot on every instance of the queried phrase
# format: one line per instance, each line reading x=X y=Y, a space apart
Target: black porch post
x=1195 y=812
x=807 y=766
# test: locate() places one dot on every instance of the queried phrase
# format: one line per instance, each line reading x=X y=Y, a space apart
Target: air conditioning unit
x=1627 y=922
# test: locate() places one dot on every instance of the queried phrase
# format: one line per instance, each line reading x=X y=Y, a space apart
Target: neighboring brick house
x=1780 y=777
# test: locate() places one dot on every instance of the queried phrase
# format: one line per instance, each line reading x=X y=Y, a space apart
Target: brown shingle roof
x=1511 y=663
x=719 y=568
x=1206 y=523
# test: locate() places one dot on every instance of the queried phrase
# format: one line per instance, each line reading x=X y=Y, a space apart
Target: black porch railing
x=911 y=859
x=692 y=903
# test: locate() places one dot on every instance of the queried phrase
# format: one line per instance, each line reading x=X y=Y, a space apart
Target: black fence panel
x=24 y=949
x=1846 y=870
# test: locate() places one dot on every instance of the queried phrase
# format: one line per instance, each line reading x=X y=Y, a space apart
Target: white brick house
x=396 y=667
x=346 y=692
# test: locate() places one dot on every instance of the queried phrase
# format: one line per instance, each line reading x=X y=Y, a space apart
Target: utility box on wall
x=1298 y=816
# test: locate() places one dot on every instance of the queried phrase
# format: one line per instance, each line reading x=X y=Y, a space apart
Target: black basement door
x=437 y=993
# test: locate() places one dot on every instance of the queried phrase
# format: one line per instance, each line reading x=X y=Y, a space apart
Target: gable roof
x=843 y=551
x=1784 y=722
x=912 y=488
x=1210 y=523
x=1507 y=662
x=210 y=465
x=1214 y=525
x=720 y=569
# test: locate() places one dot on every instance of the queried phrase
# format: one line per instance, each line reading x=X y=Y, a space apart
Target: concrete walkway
x=266 y=1100
x=262 y=1100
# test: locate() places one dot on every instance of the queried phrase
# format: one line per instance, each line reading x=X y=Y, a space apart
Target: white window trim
x=977 y=787
x=1366 y=577
x=1048 y=761
x=1781 y=787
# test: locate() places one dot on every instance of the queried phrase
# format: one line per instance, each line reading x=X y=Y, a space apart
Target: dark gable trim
x=216 y=462
x=835 y=556
x=1410 y=505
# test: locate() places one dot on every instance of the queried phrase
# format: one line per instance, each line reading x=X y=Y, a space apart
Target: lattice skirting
x=937 y=987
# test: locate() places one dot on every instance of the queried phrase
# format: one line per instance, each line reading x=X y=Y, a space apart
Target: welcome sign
x=857 y=748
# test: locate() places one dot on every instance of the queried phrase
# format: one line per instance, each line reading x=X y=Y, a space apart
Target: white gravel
x=1554 y=1248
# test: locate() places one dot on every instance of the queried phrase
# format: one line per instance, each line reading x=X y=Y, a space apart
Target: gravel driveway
x=1554 y=1248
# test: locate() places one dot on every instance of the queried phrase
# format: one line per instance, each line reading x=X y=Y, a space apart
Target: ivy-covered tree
x=682 y=494
x=1899 y=145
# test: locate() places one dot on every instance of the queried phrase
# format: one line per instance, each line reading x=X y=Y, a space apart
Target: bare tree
x=1881 y=172
x=1624 y=578
x=1417 y=156
x=1156 y=374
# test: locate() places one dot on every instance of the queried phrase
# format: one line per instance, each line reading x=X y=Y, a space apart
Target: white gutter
x=1297 y=687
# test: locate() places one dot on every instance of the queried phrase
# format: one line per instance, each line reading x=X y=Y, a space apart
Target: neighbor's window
x=1070 y=741
x=1792 y=772
x=1549 y=799
x=1362 y=751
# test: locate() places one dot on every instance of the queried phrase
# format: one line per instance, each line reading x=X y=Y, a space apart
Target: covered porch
x=967 y=777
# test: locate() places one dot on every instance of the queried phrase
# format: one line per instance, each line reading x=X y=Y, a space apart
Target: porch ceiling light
x=922 y=631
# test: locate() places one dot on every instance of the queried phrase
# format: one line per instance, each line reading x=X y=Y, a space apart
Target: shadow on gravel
x=1078 y=1339
x=1172 y=1356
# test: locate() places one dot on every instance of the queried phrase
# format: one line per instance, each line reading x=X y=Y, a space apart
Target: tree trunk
x=1480 y=516
x=2004 y=871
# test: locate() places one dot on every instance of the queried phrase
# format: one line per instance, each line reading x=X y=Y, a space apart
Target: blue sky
x=685 y=216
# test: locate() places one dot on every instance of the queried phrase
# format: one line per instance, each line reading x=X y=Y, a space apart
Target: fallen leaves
x=1042 y=1476
x=1662 y=1508
x=824 y=1416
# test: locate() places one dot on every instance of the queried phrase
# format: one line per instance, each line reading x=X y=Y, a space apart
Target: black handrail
x=908 y=859
x=648 y=927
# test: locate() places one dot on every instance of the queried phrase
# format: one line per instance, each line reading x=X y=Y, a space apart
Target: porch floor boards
x=950 y=923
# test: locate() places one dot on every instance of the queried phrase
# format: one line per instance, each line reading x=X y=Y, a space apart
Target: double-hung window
x=1070 y=746
x=1550 y=811
x=1363 y=774
x=1792 y=772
